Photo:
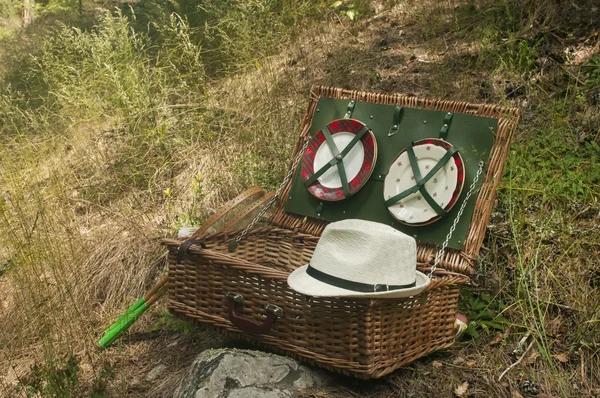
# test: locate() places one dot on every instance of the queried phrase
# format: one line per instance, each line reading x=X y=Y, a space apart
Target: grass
x=117 y=127
x=111 y=139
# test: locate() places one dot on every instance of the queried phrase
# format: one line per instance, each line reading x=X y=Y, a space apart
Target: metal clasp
x=277 y=311
x=238 y=298
x=378 y=288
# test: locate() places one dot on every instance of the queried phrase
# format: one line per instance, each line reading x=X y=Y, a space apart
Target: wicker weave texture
x=454 y=260
x=365 y=338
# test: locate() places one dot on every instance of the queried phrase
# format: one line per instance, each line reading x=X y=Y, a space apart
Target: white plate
x=353 y=161
x=414 y=209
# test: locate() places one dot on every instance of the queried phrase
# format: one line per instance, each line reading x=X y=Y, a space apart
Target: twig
x=518 y=360
x=475 y=369
x=583 y=378
x=566 y=307
x=519 y=348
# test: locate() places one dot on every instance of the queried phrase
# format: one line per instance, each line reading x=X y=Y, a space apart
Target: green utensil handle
x=122 y=324
x=126 y=314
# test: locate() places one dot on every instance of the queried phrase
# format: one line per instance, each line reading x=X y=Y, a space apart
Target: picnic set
x=372 y=232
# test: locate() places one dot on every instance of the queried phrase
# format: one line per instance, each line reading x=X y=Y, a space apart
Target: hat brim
x=303 y=283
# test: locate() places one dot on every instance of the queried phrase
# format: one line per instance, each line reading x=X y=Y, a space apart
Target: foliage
x=555 y=169
x=8 y=9
x=53 y=379
x=233 y=34
x=60 y=378
x=350 y=8
x=167 y=321
x=592 y=71
x=483 y=312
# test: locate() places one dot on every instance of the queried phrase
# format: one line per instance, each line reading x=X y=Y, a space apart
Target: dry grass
x=84 y=202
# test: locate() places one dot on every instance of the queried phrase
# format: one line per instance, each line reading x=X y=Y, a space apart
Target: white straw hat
x=357 y=258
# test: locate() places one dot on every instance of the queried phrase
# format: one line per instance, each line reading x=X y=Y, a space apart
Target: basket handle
x=248 y=325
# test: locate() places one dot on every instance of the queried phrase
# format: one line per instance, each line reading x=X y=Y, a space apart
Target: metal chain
x=440 y=253
x=233 y=244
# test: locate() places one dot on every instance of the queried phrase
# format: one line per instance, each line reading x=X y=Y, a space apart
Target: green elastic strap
x=414 y=165
x=354 y=140
x=350 y=109
x=335 y=160
x=420 y=182
x=395 y=121
x=437 y=208
x=446 y=126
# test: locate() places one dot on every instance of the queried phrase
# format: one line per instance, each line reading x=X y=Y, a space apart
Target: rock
x=231 y=373
x=155 y=372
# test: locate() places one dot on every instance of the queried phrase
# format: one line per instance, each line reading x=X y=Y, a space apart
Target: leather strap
x=354 y=140
x=350 y=109
x=434 y=205
x=185 y=246
x=446 y=126
x=226 y=208
x=247 y=210
x=395 y=121
x=414 y=164
x=352 y=285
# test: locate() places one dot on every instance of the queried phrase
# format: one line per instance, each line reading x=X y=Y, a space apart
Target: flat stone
x=155 y=372
x=255 y=392
x=231 y=373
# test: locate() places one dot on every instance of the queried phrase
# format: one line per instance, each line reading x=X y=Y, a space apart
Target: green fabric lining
x=471 y=135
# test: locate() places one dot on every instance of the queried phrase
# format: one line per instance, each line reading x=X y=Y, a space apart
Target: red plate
x=358 y=163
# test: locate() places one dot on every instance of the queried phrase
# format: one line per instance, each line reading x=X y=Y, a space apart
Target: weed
x=53 y=379
x=483 y=312
x=99 y=388
x=537 y=161
x=167 y=321
x=60 y=378
x=351 y=9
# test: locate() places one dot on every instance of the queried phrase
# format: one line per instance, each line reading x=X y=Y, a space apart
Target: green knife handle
x=122 y=324
x=126 y=314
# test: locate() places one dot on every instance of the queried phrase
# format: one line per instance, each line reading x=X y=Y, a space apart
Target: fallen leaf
x=437 y=364
x=497 y=339
x=543 y=395
x=564 y=358
x=533 y=356
x=461 y=390
x=516 y=394
x=471 y=363
x=458 y=361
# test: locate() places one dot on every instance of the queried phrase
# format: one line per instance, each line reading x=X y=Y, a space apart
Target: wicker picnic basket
x=244 y=292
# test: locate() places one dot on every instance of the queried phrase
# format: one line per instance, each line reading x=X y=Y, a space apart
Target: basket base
x=186 y=312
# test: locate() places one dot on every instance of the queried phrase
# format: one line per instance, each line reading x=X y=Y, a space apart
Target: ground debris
x=461 y=390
